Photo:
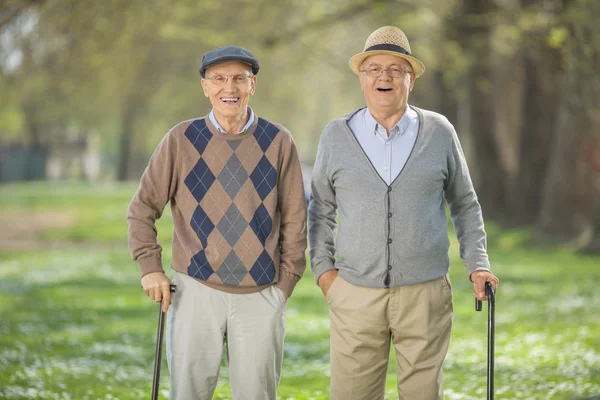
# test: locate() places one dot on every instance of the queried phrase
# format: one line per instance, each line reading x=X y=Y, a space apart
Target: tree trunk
x=593 y=243
x=589 y=51
x=32 y=125
x=126 y=139
x=569 y=212
x=540 y=109
x=561 y=216
x=489 y=175
x=446 y=99
x=135 y=106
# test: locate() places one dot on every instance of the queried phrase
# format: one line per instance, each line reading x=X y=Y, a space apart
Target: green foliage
x=11 y=122
x=76 y=325
x=127 y=71
x=96 y=66
x=557 y=37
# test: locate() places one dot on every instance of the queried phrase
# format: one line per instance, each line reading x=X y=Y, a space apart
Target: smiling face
x=230 y=99
x=383 y=93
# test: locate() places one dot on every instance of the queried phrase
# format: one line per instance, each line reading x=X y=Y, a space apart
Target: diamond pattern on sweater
x=202 y=225
x=216 y=202
x=234 y=144
x=248 y=248
x=246 y=200
x=252 y=154
x=232 y=176
x=265 y=133
x=199 y=180
x=232 y=271
x=199 y=135
x=230 y=181
x=216 y=154
x=232 y=225
x=264 y=178
x=262 y=224
x=263 y=271
x=200 y=267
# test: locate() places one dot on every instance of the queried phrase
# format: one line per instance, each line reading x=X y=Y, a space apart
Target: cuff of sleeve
x=321 y=268
x=150 y=264
x=483 y=265
x=287 y=283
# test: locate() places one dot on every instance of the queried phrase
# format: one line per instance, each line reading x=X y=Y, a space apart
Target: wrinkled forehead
x=230 y=67
x=385 y=60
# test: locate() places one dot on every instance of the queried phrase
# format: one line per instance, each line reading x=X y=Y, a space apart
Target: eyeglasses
x=221 y=79
x=393 y=72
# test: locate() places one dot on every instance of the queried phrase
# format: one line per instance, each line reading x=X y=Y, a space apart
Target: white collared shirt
x=388 y=155
x=212 y=118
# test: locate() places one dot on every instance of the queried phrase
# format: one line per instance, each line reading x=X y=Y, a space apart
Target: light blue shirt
x=388 y=155
x=212 y=118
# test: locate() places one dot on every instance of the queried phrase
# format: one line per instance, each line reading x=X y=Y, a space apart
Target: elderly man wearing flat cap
x=388 y=169
x=239 y=213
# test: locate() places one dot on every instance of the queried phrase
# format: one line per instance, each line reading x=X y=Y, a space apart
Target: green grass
x=98 y=211
x=75 y=325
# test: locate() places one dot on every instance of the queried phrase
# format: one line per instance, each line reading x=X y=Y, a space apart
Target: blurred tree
x=490 y=176
x=568 y=210
x=10 y=10
x=593 y=244
x=32 y=72
x=543 y=66
x=146 y=54
x=517 y=79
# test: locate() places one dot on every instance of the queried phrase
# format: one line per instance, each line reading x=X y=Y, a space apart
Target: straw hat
x=387 y=40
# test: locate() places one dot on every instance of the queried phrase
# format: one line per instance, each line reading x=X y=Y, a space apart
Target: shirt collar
x=213 y=119
x=373 y=126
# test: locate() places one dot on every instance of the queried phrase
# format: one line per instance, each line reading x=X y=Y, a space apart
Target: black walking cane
x=491 y=328
x=159 y=342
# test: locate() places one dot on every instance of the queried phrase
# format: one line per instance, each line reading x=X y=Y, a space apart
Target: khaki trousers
x=415 y=319
x=202 y=319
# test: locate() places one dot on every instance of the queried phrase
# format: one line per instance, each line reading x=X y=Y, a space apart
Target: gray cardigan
x=393 y=235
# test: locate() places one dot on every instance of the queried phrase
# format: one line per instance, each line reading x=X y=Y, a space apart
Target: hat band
x=391 y=47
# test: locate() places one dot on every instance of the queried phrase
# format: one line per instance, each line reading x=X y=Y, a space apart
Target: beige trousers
x=201 y=320
x=415 y=319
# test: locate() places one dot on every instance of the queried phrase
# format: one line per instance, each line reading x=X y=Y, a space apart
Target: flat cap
x=226 y=54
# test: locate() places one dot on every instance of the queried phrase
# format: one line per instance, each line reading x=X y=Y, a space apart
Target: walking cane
x=159 y=342
x=491 y=328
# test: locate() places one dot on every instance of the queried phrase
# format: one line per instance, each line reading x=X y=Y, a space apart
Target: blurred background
x=88 y=89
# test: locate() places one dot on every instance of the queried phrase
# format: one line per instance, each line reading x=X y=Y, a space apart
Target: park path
x=20 y=230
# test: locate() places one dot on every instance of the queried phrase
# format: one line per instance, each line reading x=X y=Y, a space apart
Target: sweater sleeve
x=292 y=206
x=157 y=186
x=322 y=213
x=465 y=210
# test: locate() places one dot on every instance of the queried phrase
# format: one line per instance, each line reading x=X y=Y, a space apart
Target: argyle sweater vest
x=237 y=202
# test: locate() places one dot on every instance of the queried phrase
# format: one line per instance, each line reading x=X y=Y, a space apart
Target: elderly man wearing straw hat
x=388 y=169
